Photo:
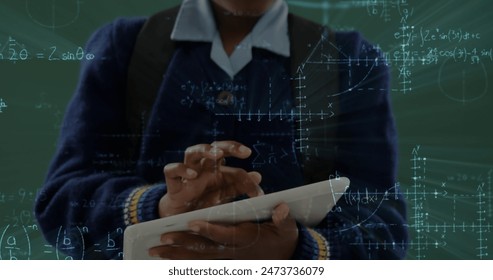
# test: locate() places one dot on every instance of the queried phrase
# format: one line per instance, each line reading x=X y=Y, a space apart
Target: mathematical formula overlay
x=440 y=54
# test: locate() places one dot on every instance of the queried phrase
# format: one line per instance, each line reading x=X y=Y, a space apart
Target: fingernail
x=244 y=149
x=260 y=191
x=191 y=172
x=195 y=228
x=283 y=212
x=284 y=215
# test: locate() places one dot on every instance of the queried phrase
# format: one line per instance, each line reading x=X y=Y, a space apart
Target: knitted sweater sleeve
x=91 y=192
x=369 y=221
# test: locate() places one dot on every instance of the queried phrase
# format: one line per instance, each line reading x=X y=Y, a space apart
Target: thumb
x=280 y=214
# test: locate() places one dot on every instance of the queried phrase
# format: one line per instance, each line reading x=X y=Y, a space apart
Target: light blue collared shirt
x=195 y=22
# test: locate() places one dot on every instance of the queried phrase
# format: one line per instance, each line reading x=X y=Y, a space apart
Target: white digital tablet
x=308 y=204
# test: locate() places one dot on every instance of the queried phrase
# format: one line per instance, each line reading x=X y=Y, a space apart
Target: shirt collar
x=195 y=22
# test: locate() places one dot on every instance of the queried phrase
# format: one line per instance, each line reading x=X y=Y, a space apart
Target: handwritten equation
x=433 y=46
x=21 y=238
x=13 y=51
x=383 y=9
x=23 y=195
x=430 y=54
x=466 y=196
x=416 y=45
x=436 y=55
x=18 y=242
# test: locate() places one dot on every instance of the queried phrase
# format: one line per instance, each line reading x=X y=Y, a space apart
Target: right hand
x=203 y=180
x=276 y=240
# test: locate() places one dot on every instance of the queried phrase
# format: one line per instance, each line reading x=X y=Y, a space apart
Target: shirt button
x=225 y=98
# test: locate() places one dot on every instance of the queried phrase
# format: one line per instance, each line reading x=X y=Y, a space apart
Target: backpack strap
x=314 y=89
x=152 y=53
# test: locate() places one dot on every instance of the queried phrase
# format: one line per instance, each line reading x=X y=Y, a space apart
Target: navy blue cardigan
x=82 y=204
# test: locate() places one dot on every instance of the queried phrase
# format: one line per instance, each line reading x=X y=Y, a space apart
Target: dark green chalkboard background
x=441 y=57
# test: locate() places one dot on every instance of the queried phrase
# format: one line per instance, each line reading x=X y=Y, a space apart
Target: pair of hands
x=203 y=180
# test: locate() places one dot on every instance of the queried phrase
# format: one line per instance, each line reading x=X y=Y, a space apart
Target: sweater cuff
x=142 y=204
x=311 y=245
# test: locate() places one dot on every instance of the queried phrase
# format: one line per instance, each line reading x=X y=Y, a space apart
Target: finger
x=233 y=149
x=255 y=176
x=241 y=181
x=183 y=245
x=251 y=240
x=212 y=164
x=209 y=199
x=177 y=173
x=239 y=234
x=183 y=238
x=194 y=154
x=230 y=235
x=280 y=214
x=228 y=149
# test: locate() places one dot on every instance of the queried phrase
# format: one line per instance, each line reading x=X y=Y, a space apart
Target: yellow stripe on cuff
x=133 y=204
x=323 y=246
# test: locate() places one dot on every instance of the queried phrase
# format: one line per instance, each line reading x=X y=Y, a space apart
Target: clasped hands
x=203 y=180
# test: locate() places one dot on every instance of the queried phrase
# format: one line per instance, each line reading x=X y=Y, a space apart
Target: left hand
x=276 y=240
x=203 y=180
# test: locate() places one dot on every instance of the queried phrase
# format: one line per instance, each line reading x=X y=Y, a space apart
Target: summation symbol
x=270 y=154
